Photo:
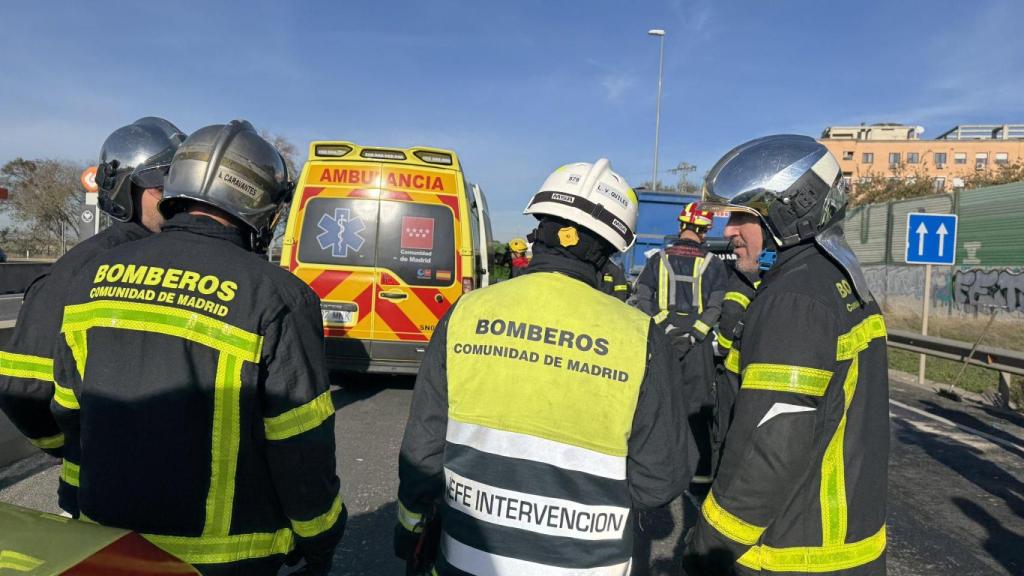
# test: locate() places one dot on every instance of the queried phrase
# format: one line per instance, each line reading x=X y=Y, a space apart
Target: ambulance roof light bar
x=331 y=150
x=378 y=154
x=434 y=157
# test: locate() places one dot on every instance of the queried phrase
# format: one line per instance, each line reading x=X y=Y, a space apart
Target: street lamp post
x=657 y=115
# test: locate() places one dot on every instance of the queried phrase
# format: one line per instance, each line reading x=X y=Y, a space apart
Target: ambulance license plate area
x=339 y=314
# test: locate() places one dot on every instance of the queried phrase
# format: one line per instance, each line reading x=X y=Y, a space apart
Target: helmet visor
x=152 y=172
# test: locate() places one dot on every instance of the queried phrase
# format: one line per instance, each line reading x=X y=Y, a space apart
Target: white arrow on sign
x=942 y=237
x=922 y=231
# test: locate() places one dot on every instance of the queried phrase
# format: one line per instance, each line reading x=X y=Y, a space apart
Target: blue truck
x=658 y=224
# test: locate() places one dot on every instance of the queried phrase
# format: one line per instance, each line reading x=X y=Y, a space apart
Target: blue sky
x=516 y=88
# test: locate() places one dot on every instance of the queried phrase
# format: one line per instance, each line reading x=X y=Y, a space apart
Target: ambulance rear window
x=417 y=242
x=339 y=231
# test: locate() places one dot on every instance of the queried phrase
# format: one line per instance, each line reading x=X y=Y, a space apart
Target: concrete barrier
x=13 y=446
x=16 y=276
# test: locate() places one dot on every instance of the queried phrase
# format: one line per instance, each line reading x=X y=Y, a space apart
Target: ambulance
x=388 y=238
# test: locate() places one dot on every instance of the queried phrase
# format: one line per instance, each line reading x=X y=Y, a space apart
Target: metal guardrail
x=1005 y=362
x=998 y=359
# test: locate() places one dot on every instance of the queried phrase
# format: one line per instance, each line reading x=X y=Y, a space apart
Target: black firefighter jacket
x=192 y=392
x=26 y=362
x=802 y=483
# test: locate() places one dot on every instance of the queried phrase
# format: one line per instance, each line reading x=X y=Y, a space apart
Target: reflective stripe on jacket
x=548 y=478
x=683 y=286
x=534 y=395
x=191 y=388
x=802 y=482
x=26 y=362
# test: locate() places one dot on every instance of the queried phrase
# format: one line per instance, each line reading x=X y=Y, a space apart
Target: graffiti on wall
x=999 y=288
x=907 y=281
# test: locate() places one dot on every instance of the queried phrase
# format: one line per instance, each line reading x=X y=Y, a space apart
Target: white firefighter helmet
x=592 y=196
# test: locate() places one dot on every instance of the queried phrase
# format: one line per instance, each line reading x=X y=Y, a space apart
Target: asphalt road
x=956 y=499
x=9 y=306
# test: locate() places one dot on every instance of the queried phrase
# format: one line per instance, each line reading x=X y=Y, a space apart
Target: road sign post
x=925 y=312
x=931 y=240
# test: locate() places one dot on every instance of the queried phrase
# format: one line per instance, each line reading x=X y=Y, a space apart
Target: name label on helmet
x=236 y=181
x=606 y=191
x=564 y=198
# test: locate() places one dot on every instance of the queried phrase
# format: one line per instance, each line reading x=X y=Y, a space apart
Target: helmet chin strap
x=769 y=253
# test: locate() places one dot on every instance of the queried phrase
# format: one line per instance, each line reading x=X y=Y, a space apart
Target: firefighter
x=133 y=162
x=612 y=281
x=517 y=259
x=545 y=412
x=682 y=287
x=190 y=378
x=802 y=482
x=739 y=291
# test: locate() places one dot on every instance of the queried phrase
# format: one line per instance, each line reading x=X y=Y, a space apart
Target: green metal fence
x=991 y=227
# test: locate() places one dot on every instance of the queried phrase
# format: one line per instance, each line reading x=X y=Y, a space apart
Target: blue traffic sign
x=931 y=238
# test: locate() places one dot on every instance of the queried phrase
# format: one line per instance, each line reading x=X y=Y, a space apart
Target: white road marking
x=964 y=438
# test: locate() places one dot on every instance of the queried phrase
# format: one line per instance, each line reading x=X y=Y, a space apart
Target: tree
x=287 y=150
x=1003 y=174
x=45 y=198
x=900 y=183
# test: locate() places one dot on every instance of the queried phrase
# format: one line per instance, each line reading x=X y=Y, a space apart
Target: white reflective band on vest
x=527 y=447
x=469 y=559
x=539 y=514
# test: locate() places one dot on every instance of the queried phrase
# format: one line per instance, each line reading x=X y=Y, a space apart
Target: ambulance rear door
x=337 y=251
x=417 y=258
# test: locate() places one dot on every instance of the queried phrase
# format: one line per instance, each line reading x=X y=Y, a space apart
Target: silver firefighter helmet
x=794 y=184
x=134 y=156
x=229 y=166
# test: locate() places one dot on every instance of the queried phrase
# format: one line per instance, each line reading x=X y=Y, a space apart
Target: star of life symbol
x=340 y=233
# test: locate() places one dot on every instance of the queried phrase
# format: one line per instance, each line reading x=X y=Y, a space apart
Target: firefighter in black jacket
x=682 y=288
x=739 y=290
x=133 y=162
x=802 y=482
x=190 y=378
x=545 y=412
x=612 y=281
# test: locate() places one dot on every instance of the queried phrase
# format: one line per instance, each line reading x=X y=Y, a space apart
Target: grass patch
x=974 y=378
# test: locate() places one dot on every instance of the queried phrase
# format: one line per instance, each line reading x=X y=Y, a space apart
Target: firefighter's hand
x=682 y=340
x=404 y=542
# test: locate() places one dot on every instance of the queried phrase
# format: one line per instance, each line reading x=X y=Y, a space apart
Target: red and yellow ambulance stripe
x=411 y=319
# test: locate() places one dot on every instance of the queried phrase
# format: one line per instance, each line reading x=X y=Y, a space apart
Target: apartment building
x=898 y=151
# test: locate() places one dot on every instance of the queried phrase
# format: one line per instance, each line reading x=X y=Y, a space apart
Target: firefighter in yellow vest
x=802 y=483
x=682 y=288
x=546 y=413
